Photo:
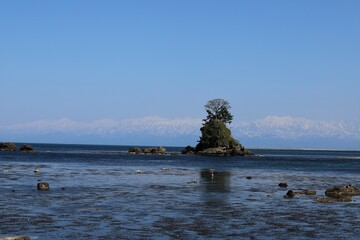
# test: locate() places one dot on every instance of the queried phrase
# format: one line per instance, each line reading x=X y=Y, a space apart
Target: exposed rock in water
x=156 y=150
x=283 y=185
x=188 y=150
x=16 y=238
x=216 y=140
x=339 y=194
x=26 y=148
x=342 y=191
x=7 y=146
x=43 y=186
x=289 y=194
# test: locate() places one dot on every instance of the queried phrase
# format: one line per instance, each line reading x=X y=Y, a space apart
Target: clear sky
x=89 y=60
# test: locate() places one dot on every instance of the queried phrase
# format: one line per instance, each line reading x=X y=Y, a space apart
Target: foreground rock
x=7 y=146
x=16 y=238
x=342 y=191
x=157 y=150
x=26 y=148
x=339 y=194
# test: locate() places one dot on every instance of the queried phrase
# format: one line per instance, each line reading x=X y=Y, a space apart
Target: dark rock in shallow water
x=7 y=146
x=342 y=191
x=283 y=185
x=188 y=150
x=16 y=238
x=26 y=148
x=43 y=186
x=289 y=194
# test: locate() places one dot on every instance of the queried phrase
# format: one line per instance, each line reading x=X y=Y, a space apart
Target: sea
x=102 y=192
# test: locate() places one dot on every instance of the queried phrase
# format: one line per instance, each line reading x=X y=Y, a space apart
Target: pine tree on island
x=216 y=138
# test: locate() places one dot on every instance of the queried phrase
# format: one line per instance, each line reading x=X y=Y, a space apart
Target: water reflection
x=216 y=186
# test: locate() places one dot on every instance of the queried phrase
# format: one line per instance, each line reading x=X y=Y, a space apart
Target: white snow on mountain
x=293 y=128
x=271 y=126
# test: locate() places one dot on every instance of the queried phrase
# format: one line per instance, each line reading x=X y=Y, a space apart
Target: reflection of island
x=216 y=185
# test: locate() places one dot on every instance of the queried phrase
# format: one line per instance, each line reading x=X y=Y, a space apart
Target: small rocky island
x=216 y=138
x=8 y=146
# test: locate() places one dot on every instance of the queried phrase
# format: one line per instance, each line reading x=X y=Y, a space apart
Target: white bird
x=37 y=170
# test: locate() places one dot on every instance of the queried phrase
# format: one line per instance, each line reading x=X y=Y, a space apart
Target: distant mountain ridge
x=267 y=130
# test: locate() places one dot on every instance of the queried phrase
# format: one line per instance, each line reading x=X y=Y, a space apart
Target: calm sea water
x=95 y=193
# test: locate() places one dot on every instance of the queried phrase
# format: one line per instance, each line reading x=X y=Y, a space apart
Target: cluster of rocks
x=155 y=150
x=7 y=146
x=334 y=194
x=339 y=194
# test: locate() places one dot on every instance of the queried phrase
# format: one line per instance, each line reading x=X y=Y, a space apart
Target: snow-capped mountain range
x=271 y=126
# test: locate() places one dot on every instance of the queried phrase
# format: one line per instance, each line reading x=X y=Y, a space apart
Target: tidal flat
x=103 y=196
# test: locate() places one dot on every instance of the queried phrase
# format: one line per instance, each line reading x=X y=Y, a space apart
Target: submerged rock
x=7 y=146
x=342 y=191
x=332 y=200
x=306 y=192
x=26 y=148
x=43 y=186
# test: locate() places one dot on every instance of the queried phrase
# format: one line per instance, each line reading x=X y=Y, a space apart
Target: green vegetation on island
x=216 y=138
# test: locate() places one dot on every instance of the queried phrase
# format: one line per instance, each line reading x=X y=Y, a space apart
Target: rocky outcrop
x=156 y=150
x=216 y=140
x=342 y=191
x=26 y=148
x=188 y=150
x=7 y=146
x=339 y=194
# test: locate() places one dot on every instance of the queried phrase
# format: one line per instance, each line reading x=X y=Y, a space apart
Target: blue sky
x=90 y=60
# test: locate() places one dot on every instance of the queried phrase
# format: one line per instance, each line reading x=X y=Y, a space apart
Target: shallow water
x=97 y=194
